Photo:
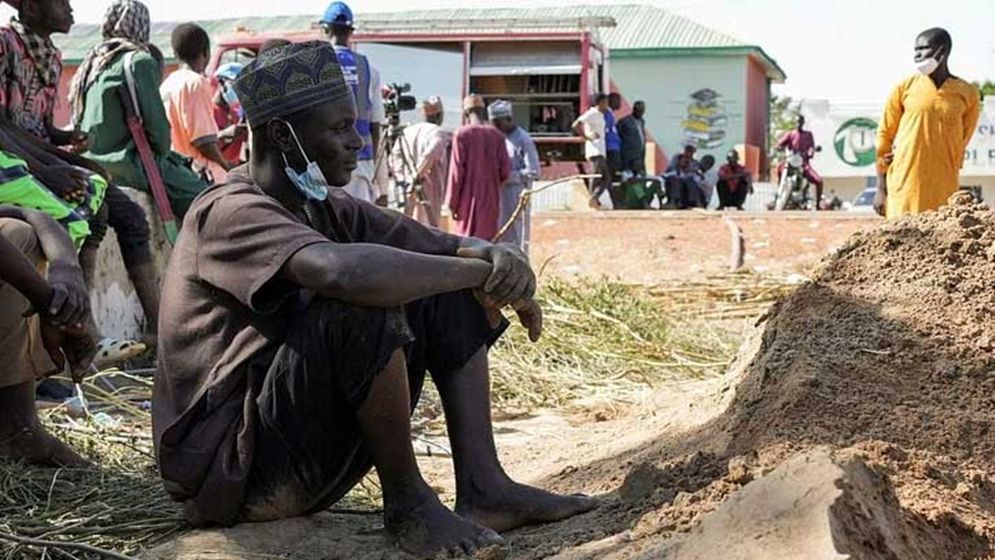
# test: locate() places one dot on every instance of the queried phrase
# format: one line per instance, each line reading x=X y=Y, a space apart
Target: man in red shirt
x=735 y=182
x=478 y=168
x=801 y=141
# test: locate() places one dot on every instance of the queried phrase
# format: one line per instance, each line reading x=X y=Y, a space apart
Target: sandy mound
x=815 y=507
x=885 y=361
x=892 y=341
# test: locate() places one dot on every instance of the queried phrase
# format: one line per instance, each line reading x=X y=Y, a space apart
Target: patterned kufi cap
x=290 y=79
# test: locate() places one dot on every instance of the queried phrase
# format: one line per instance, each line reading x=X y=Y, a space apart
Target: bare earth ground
x=856 y=423
x=652 y=246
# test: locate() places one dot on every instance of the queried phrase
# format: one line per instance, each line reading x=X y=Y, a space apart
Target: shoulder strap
x=129 y=78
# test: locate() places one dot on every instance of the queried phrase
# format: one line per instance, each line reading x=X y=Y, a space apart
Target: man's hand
x=881 y=202
x=881 y=196
x=528 y=311
x=67 y=182
x=232 y=133
x=530 y=315
x=73 y=344
x=79 y=142
x=70 y=302
x=511 y=278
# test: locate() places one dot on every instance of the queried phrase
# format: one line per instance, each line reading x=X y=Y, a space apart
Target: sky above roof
x=848 y=51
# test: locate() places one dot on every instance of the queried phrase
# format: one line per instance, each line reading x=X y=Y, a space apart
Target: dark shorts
x=308 y=452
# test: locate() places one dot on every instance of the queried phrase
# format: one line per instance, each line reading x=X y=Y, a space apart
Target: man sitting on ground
x=291 y=357
x=42 y=323
x=735 y=182
x=703 y=183
x=679 y=178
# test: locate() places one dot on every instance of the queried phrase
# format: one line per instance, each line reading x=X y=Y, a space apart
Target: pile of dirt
x=885 y=362
x=893 y=340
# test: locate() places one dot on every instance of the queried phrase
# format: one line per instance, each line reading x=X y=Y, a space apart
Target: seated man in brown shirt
x=298 y=324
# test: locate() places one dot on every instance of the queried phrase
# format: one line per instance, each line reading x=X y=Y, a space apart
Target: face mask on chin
x=927 y=66
x=311 y=183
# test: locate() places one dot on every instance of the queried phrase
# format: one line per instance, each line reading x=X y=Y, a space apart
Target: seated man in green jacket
x=96 y=98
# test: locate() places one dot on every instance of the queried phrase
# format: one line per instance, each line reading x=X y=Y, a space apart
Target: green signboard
x=855 y=142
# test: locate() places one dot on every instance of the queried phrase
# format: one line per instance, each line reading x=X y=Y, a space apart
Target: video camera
x=395 y=101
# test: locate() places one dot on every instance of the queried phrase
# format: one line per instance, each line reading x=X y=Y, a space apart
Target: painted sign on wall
x=706 y=122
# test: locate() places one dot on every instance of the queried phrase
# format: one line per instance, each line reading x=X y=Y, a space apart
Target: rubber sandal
x=111 y=351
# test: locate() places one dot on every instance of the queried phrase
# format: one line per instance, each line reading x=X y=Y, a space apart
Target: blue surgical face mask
x=311 y=182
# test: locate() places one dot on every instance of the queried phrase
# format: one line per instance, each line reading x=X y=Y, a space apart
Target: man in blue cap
x=364 y=80
x=291 y=357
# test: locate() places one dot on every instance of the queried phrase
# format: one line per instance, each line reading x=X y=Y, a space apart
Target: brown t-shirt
x=223 y=308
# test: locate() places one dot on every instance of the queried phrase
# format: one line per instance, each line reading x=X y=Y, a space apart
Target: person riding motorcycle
x=802 y=142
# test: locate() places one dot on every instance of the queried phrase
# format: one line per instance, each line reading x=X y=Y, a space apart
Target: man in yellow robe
x=927 y=124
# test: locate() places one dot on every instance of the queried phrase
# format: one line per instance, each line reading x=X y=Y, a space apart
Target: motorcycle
x=793 y=188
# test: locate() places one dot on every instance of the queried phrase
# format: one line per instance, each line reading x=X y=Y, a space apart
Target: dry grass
x=118 y=503
x=604 y=341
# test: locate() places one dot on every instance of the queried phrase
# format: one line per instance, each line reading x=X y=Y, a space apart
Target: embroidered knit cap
x=290 y=79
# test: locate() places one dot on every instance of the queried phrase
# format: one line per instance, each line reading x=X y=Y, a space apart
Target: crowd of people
x=289 y=355
x=615 y=150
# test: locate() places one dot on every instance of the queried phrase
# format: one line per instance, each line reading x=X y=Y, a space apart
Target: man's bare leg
x=22 y=435
x=413 y=514
x=485 y=494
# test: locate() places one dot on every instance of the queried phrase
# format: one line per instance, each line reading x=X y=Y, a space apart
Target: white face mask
x=311 y=182
x=927 y=66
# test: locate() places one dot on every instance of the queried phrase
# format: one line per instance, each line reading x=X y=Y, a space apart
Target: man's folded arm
x=379 y=275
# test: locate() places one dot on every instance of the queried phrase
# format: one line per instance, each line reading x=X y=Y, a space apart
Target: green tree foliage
x=987 y=88
x=783 y=118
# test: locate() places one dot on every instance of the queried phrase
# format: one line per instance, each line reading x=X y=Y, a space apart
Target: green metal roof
x=636 y=28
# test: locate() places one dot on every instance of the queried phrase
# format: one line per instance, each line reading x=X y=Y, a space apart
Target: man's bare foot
x=429 y=528
x=34 y=444
x=510 y=505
